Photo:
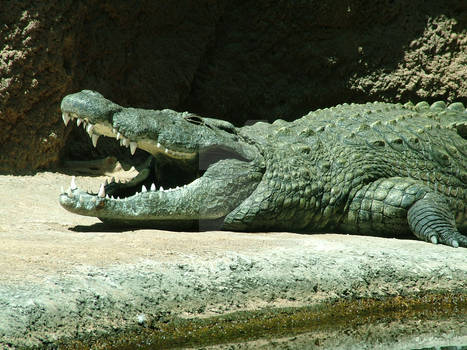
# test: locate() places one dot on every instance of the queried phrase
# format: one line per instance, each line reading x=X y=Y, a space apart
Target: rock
x=67 y=277
x=242 y=62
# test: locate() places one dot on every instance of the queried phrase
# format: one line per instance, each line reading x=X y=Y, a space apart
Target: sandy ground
x=64 y=275
x=41 y=237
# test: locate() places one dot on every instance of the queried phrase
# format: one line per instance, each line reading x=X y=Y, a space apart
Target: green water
x=463 y=347
x=346 y=324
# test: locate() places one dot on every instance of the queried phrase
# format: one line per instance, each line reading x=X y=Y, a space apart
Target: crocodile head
x=200 y=169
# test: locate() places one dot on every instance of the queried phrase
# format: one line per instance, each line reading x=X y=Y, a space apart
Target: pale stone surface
x=65 y=275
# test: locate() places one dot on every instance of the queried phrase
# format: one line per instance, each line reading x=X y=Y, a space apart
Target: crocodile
x=384 y=169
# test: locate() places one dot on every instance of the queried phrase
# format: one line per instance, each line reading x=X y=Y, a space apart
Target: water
x=464 y=347
x=422 y=322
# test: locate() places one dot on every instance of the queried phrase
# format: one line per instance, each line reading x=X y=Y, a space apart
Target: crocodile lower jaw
x=100 y=204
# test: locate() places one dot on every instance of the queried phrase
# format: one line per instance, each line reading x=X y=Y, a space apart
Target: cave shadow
x=286 y=59
x=300 y=60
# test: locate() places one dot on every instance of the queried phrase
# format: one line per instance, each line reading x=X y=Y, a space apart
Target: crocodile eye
x=194 y=120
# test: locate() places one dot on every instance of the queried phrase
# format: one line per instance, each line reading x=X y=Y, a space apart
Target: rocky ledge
x=69 y=277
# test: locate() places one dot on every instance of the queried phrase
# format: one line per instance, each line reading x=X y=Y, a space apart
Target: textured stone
x=245 y=61
x=66 y=276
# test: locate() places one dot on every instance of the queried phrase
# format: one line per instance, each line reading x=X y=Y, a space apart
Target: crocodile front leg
x=399 y=206
x=431 y=220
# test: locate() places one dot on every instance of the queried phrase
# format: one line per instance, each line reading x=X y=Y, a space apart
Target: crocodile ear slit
x=194 y=119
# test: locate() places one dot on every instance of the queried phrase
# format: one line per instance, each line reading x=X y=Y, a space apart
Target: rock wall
x=238 y=60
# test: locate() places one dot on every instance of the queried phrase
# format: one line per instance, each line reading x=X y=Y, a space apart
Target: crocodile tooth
x=143 y=189
x=79 y=121
x=112 y=197
x=85 y=124
x=166 y=150
x=89 y=129
x=101 y=191
x=119 y=136
x=153 y=187
x=126 y=142
x=106 y=182
x=161 y=188
x=73 y=183
x=158 y=145
x=94 y=138
x=133 y=147
x=107 y=196
x=114 y=131
x=66 y=118
x=112 y=180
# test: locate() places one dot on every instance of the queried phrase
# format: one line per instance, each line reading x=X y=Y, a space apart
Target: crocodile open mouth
x=170 y=185
x=165 y=170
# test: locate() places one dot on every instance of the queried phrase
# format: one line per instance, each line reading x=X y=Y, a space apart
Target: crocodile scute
x=374 y=169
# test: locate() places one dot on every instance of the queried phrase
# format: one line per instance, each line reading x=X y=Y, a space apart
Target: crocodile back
x=314 y=163
x=428 y=143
